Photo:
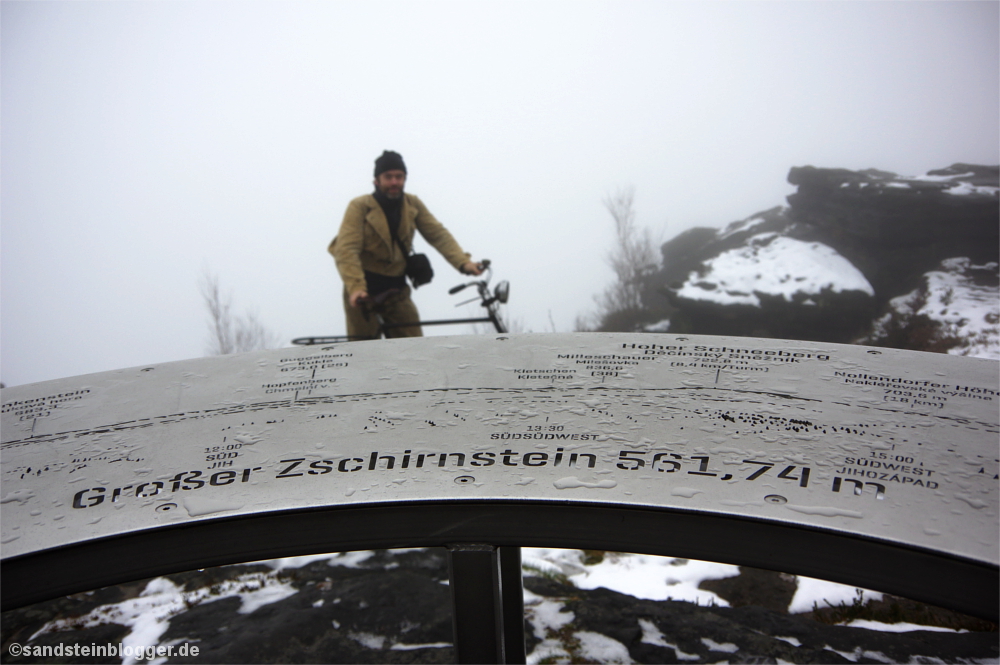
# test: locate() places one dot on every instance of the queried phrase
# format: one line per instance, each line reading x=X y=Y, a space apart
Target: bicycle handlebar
x=484 y=265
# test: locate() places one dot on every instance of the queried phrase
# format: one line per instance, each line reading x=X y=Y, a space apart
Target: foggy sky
x=142 y=143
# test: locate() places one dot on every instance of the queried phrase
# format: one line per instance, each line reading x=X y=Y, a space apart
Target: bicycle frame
x=491 y=301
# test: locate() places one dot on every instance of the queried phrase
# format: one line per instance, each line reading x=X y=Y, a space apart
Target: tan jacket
x=364 y=242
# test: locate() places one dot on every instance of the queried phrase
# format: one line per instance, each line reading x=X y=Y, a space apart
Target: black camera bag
x=418 y=267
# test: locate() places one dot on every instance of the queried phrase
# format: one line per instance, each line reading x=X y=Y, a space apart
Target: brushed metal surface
x=893 y=446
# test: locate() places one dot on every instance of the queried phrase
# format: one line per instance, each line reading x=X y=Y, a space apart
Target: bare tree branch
x=633 y=256
x=229 y=333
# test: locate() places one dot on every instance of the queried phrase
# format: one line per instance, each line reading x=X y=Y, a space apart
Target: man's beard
x=391 y=194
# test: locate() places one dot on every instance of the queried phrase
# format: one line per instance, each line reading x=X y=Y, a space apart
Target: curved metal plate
x=893 y=449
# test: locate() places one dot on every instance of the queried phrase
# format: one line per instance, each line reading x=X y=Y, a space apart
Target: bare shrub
x=633 y=256
x=229 y=333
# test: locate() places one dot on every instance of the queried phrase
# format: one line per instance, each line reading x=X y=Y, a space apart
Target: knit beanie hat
x=389 y=161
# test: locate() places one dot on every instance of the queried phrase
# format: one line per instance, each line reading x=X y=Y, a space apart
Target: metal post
x=477 y=614
x=512 y=592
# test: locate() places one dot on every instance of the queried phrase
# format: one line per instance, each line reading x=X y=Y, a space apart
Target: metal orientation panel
x=797 y=455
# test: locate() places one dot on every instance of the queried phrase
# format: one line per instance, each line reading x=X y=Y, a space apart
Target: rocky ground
x=394 y=607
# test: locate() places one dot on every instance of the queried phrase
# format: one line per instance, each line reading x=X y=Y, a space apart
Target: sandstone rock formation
x=833 y=264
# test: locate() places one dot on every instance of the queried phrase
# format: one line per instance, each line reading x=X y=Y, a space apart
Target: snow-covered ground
x=666 y=578
x=148 y=615
x=642 y=576
x=965 y=310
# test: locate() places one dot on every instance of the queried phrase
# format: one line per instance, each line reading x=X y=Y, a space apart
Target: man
x=371 y=261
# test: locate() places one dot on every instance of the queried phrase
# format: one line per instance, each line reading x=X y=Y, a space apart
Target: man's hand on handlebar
x=357 y=297
x=473 y=268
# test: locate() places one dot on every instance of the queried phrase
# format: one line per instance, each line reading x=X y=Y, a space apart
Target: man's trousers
x=363 y=322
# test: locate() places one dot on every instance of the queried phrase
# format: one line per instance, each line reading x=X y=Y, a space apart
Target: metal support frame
x=928 y=576
x=477 y=612
x=487 y=603
x=512 y=593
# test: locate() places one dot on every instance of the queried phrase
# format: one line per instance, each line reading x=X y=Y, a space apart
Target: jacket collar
x=376 y=217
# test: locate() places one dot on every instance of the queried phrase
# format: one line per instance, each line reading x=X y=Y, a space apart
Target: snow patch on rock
x=597 y=648
x=639 y=575
x=774 y=265
x=961 y=298
x=148 y=615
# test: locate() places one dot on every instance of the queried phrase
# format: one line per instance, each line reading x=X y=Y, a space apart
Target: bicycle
x=490 y=300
